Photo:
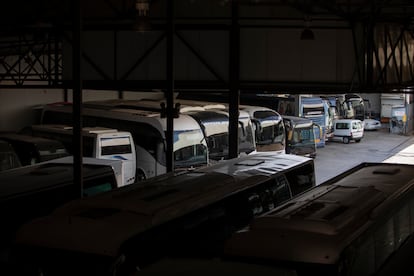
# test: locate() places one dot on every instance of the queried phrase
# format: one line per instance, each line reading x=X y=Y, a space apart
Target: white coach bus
x=212 y=118
x=266 y=124
x=148 y=130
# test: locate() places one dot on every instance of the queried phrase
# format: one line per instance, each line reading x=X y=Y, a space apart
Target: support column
x=234 y=76
x=77 y=97
x=170 y=85
x=370 y=51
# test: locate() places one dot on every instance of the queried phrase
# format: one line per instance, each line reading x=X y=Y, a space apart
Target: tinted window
x=99 y=185
x=191 y=155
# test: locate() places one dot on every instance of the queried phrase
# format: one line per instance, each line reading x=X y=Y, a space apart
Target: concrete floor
x=376 y=146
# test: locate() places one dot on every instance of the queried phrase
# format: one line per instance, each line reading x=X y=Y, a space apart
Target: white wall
x=17 y=106
x=20 y=107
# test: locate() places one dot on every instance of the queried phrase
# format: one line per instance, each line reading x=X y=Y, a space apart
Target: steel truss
x=393 y=56
x=31 y=59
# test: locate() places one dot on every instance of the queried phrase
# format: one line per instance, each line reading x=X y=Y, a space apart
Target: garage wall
x=265 y=54
x=18 y=106
x=280 y=55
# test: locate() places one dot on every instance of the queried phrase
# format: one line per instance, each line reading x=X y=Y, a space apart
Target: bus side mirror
x=242 y=129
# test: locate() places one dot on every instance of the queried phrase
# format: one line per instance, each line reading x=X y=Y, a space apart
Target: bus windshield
x=303 y=136
x=272 y=131
x=302 y=141
x=188 y=149
x=246 y=138
x=313 y=111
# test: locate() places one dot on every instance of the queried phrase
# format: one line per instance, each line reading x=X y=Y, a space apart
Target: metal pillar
x=370 y=52
x=234 y=76
x=77 y=97
x=170 y=86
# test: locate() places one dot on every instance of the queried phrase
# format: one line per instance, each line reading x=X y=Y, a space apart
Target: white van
x=346 y=130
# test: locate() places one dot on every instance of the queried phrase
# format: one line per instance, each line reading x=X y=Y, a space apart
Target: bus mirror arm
x=257 y=125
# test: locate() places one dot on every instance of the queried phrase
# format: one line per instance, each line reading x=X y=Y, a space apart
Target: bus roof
x=86 y=131
x=134 y=209
x=153 y=122
x=38 y=142
x=317 y=226
x=46 y=175
x=184 y=122
x=208 y=116
x=147 y=106
x=298 y=121
x=262 y=164
x=251 y=110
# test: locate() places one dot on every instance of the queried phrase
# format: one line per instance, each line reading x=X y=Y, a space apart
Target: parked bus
x=352 y=224
x=148 y=131
x=337 y=106
x=217 y=115
x=36 y=190
x=267 y=123
x=300 y=137
x=98 y=142
x=215 y=125
x=132 y=227
x=8 y=157
x=32 y=150
x=346 y=106
x=268 y=128
x=356 y=102
x=300 y=105
x=189 y=144
x=212 y=118
x=317 y=110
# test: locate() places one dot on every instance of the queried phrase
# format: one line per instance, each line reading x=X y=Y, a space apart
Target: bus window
x=270 y=131
x=281 y=190
x=111 y=146
x=190 y=155
x=189 y=149
x=97 y=186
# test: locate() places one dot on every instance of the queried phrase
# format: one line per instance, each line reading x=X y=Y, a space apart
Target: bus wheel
x=139 y=176
x=346 y=140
